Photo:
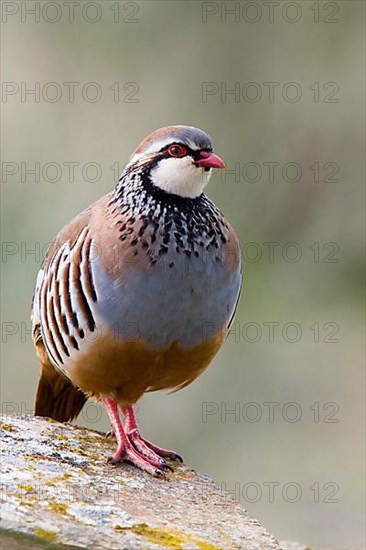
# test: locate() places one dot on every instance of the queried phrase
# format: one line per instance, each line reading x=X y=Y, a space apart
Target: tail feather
x=57 y=398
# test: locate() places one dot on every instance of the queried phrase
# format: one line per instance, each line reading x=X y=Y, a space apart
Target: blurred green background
x=161 y=54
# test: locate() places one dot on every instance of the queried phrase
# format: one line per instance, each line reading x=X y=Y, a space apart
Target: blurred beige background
x=299 y=467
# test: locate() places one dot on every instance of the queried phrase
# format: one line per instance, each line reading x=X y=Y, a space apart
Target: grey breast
x=177 y=299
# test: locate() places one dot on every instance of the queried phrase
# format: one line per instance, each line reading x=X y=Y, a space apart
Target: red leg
x=125 y=450
x=144 y=447
x=117 y=428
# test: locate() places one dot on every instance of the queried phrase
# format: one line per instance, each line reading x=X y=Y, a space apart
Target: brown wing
x=56 y=396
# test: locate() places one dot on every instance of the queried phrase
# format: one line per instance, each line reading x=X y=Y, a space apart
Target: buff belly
x=126 y=370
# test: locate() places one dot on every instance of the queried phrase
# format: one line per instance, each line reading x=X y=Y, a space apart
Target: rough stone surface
x=57 y=487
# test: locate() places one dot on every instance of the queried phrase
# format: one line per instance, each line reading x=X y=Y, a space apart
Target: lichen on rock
x=56 y=485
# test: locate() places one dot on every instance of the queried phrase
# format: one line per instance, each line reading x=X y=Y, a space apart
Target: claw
x=176 y=458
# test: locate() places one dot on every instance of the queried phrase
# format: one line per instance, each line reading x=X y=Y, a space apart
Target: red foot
x=132 y=447
x=129 y=454
x=150 y=450
x=142 y=445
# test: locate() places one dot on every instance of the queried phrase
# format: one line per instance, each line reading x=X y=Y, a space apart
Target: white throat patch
x=180 y=177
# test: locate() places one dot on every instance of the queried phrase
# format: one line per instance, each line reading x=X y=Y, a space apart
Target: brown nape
x=57 y=398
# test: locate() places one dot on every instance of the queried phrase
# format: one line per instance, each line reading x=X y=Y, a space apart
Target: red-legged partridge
x=137 y=292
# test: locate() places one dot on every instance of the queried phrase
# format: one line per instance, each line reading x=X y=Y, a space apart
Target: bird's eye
x=177 y=150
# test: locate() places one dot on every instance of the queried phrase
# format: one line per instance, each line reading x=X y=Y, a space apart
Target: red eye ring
x=176 y=150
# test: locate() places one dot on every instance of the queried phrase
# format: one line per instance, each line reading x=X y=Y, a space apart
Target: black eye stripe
x=197 y=154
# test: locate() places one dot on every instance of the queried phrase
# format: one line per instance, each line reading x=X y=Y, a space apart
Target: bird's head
x=178 y=160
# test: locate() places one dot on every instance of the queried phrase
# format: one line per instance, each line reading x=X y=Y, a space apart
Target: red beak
x=209 y=160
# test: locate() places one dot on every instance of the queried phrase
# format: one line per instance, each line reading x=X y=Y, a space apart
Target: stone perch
x=58 y=488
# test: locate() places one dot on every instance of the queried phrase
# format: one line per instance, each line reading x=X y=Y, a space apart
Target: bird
x=137 y=292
